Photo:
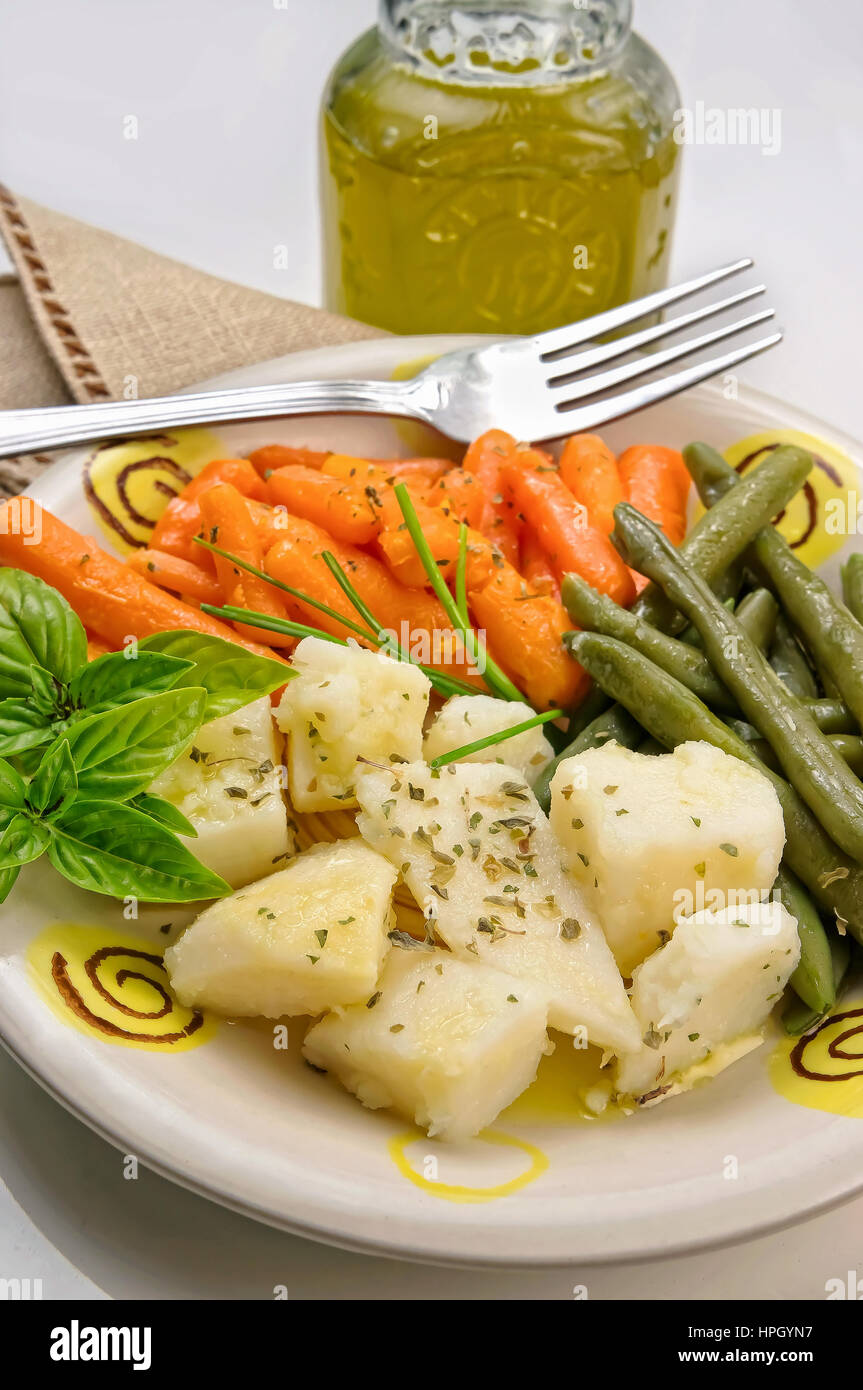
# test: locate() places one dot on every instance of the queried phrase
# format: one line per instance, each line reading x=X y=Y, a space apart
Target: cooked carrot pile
x=503 y=527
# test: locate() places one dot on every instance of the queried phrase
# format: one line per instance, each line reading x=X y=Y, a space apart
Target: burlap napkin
x=89 y=313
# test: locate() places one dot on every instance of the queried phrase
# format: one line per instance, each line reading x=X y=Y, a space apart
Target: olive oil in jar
x=496 y=174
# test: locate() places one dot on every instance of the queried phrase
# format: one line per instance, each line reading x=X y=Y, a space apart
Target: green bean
x=789 y=662
x=596 y=612
x=728 y=584
x=759 y=613
x=615 y=724
x=812 y=980
x=760 y=747
x=798 y=1017
x=672 y=714
x=744 y=730
x=709 y=471
x=724 y=532
x=595 y=703
x=852 y=584
x=809 y=761
x=831 y=716
x=832 y=633
x=848 y=746
x=651 y=747
x=691 y=636
x=850 y=749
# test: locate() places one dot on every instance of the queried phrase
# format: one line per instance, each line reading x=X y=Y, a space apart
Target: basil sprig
x=81 y=741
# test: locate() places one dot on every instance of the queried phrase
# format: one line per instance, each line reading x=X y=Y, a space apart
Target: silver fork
x=536 y=388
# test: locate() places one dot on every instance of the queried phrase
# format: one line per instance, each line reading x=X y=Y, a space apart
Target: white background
x=225 y=93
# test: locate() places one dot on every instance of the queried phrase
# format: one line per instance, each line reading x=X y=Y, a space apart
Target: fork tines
x=571 y=354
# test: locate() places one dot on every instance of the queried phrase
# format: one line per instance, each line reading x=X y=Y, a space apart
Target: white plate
x=251 y=1127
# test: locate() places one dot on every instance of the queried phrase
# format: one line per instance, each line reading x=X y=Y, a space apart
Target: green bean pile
x=774 y=677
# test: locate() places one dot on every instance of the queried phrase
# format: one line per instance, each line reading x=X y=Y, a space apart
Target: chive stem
x=492 y=674
x=394 y=648
x=266 y=621
x=491 y=740
x=461 y=573
x=444 y=684
x=348 y=589
x=286 y=588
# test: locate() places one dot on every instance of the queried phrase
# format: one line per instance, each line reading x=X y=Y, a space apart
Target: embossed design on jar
x=514 y=261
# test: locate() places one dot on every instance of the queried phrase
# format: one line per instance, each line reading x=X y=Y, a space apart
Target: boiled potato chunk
x=309 y=938
x=651 y=839
x=477 y=854
x=467 y=718
x=228 y=784
x=347 y=703
x=445 y=1043
x=713 y=984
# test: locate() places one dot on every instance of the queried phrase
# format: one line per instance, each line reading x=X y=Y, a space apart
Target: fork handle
x=23 y=431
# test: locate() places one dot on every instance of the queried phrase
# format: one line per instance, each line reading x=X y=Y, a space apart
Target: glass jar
x=496 y=168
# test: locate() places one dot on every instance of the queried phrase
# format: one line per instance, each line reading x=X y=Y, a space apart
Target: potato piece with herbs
x=477 y=854
x=652 y=839
x=347 y=703
x=445 y=1043
x=311 y=937
x=466 y=718
x=705 y=995
x=228 y=784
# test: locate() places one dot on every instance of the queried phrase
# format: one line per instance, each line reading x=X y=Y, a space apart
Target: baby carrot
x=176 y=529
x=240 y=473
x=497 y=520
x=430 y=468
x=228 y=523
x=381 y=472
x=112 y=601
x=442 y=533
x=656 y=482
x=568 y=539
x=273 y=456
x=270 y=523
x=589 y=469
x=297 y=560
x=340 y=506
x=96 y=647
x=189 y=581
x=534 y=566
x=180 y=522
x=524 y=631
x=459 y=495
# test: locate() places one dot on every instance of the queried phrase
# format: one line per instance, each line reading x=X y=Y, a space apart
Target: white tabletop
x=224 y=170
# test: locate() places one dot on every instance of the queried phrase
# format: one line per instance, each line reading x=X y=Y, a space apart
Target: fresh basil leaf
x=115 y=849
x=47 y=693
x=7 y=881
x=23 y=840
x=13 y=789
x=165 y=813
x=231 y=676
x=27 y=761
x=118 y=753
x=37 y=628
x=117 y=678
x=56 y=782
x=23 y=726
